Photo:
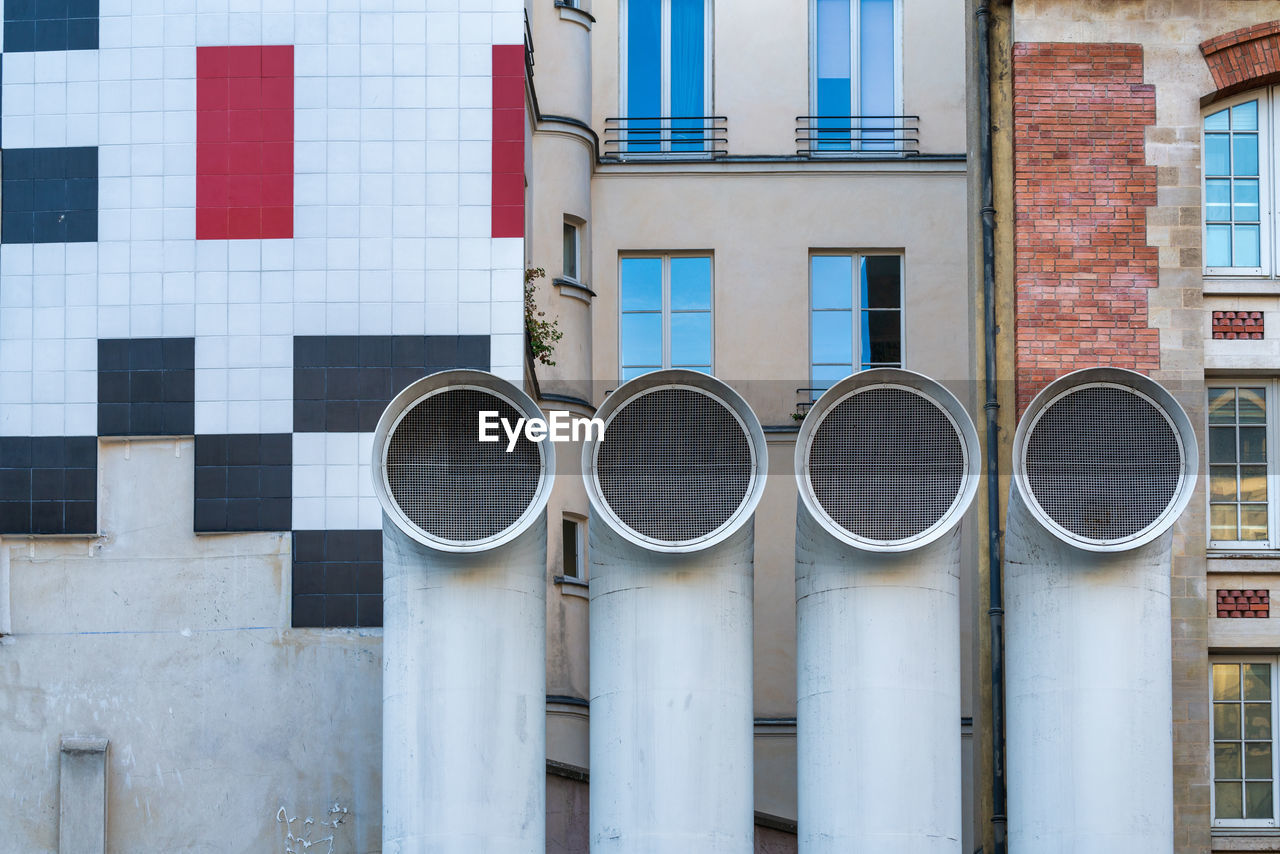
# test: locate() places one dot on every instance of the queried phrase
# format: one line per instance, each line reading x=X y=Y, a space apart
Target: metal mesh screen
x=450 y=484
x=1103 y=463
x=886 y=464
x=674 y=465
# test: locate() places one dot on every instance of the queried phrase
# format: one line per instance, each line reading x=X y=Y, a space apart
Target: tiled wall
x=251 y=226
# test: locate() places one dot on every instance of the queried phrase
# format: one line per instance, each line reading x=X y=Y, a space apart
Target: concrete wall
x=177 y=648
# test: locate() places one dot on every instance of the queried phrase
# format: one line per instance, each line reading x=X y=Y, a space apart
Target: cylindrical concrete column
x=673 y=486
x=464 y=621
x=1105 y=461
x=887 y=463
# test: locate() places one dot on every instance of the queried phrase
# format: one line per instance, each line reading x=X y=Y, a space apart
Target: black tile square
x=308 y=383
x=82 y=34
x=178 y=385
x=48 y=452
x=82 y=484
x=15 y=517
x=179 y=419
x=113 y=354
x=308 y=416
x=369 y=546
x=242 y=482
x=243 y=449
x=146 y=419
x=47 y=518
x=113 y=386
x=342 y=384
x=343 y=546
x=211 y=482
x=19 y=36
x=308 y=612
x=342 y=350
x=146 y=387
x=15 y=484
x=146 y=354
x=308 y=578
x=81 y=452
x=48 y=484
x=339 y=578
x=341 y=416
x=211 y=515
x=211 y=450
x=276 y=481
x=409 y=351
x=339 y=611
x=51 y=34
x=276 y=449
x=440 y=351
x=403 y=377
x=308 y=546
x=368 y=415
x=473 y=352
x=178 y=354
x=15 y=452
x=369 y=611
x=39 y=201
x=242 y=514
x=369 y=578
x=309 y=351
x=275 y=514
x=374 y=351
x=81 y=517
x=374 y=384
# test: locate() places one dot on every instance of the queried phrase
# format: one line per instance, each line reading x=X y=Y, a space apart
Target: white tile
x=308 y=513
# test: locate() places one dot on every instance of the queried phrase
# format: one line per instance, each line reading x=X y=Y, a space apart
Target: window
x=1240 y=469
x=666 y=313
x=1238 y=236
x=571 y=251
x=1244 y=769
x=856 y=73
x=666 y=80
x=574 y=548
x=856 y=321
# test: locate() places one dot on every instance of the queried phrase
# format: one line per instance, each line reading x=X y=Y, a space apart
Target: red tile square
x=508 y=221
x=508 y=60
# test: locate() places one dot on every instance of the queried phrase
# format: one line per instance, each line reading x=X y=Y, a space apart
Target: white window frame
x=580 y=528
x=1267 y=190
x=708 y=77
x=575 y=224
x=855 y=87
x=666 y=303
x=1272 y=386
x=858 y=307
x=1274 y=821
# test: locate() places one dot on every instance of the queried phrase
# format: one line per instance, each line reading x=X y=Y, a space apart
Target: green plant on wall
x=542 y=333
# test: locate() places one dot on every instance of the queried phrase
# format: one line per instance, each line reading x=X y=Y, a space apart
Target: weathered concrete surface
x=178 y=649
x=82 y=796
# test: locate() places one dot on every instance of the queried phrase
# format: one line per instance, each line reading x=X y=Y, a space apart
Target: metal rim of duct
x=918 y=384
x=437 y=383
x=1135 y=383
x=717 y=390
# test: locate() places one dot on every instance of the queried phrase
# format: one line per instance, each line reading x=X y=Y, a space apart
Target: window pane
x=1226 y=682
x=833 y=337
x=1253 y=444
x=1220 y=120
x=690 y=283
x=570 y=251
x=1222 y=406
x=876 y=61
x=569 y=536
x=1253 y=405
x=642 y=339
x=1253 y=521
x=1245 y=116
x=1222 y=444
x=832 y=281
x=1257 y=760
x=834 y=58
x=1226 y=720
x=688 y=80
x=825 y=376
x=1246 y=201
x=1244 y=154
x=1257 y=682
x=1258 y=799
x=642 y=284
x=1226 y=760
x=1222 y=483
x=644 y=72
x=882 y=281
x=1253 y=483
x=1227 y=801
x=690 y=339
x=1247 y=249
x=1217 y=200
x=1222 y=522
x=1217 y=246
x=632 y=373
x=1257 y=720
x=1217 y=154
x=882 y=337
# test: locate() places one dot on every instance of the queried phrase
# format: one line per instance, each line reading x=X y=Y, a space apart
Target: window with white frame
x=1239 y=232
x=1243 y=729
x=1241 y=513
x=573 y=540
x=855 y=315
x=665 y=313
x=666 y=74
x=856 y=73
x=572 y=250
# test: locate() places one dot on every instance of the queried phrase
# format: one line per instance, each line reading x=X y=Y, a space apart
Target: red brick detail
x=1234 y=325
x=508 y=141
x=1243 y=58
x=244 y=142
x=1082 y=186
x=1255 y=604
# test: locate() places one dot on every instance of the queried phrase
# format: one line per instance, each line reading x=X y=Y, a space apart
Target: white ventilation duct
x=673 y=485
x=887 y=462
x=464 y=616
x=1104 y=462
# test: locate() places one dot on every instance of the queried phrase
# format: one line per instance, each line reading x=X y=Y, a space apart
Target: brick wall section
x=1243 y=58
x=1234 y=325
x=1244 y=603
x=1082 y=186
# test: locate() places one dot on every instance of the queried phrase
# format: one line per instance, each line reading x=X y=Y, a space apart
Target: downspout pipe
x=673 y=486
x=1105 y=462
x=887 y=462
x=991 y=409
x=464 y=620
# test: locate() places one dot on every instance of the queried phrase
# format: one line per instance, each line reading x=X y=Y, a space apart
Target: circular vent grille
x=674 y=465
x=448 y=483
x=1103 y=462
x=886 y=464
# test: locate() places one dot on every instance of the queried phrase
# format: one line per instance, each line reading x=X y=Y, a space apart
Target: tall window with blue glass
x=665 y=75
x=856 y=90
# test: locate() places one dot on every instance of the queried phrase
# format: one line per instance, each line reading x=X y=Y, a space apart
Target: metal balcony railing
x=665 y=138
x=870 y=135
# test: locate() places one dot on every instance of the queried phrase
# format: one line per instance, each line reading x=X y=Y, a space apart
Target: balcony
x=869 y=136
x=665 y=138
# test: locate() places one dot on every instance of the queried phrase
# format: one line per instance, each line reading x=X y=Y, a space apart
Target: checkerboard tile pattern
x=354 y=156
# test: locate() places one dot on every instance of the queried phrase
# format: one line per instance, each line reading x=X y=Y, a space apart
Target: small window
x=572 y=254
x=856 y=317
x=1235 y=231
x=666 y=313
x=666 y=84
x=1243 y=730
x=1241 y=513
x=574 y=542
